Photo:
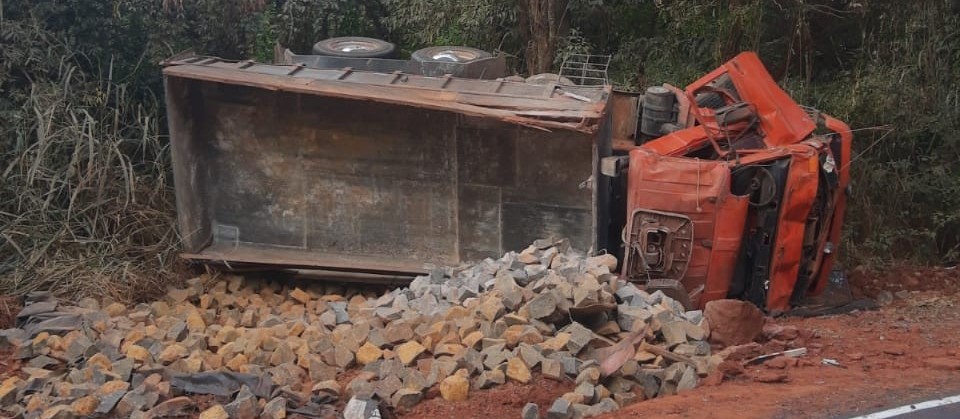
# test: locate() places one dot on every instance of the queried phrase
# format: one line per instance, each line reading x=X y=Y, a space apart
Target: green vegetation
x=85 y=195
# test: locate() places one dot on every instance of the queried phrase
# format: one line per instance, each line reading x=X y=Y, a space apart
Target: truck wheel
x=545 y=78
x=354 y=47
x=449 y=54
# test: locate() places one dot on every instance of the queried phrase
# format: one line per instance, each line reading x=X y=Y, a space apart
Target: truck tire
x=544 y=78
x=354 y=47
x=453 y=54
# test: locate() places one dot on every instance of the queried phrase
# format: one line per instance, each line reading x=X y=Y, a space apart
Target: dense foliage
x=84 y=176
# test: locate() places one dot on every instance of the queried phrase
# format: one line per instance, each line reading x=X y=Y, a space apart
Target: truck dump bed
x=376 y=172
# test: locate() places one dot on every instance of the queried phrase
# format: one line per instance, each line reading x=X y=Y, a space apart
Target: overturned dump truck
x=724 y=189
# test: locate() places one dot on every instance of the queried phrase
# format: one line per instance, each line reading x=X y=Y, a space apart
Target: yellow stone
x=456 y=312
x=111 y=387
x=137 y=353
x=644 y=356
x=115 y=309
x=172 y=353
x=37 y=402
x=300 y=295
x=556 y=343
x=132 y=338
x=154 y=332
x=9 y=386
x=212 y=361
x=192 y=365
x=473 y=339
x=451 y=349
x=85 y=406
x=195 y=322
x=297 y=329
x=205 y=301
x=368 y=353
x=237 y=362
x=518 y=371
x=409 y=351
x=454 y=388
x=214 y=412
x=101 y=361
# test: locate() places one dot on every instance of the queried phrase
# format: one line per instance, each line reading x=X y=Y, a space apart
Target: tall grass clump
x=85 y=200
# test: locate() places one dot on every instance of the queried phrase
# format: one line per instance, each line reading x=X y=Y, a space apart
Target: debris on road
x=831 y=362
x=265 y=349
x=792 y=353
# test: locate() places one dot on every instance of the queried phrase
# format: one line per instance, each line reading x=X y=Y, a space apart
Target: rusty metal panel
x=304 y=180
x=550 y=106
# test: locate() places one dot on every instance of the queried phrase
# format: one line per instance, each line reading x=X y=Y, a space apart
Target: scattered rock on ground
x=255 y=344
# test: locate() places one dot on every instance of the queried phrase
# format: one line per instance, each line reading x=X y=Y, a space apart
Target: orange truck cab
x=741 y=196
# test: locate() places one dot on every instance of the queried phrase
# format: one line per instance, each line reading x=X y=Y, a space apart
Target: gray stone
x=388 y=314
x=13 y=338
x=270 y=321
x=178 y=331
x=570 y=364
x=624 y=399
x=109 y=401
x=415 y=380
x=358 y=408
x=340 y=310
x=649 y=382
x=694 y=316
x=580 y=337
x=43 y=361
x=275 y=409
x=488 y=379
x=472 y=360
x=244 y=405
x=131 y=402
x=587 y=390
x=406 y=398
x=512 y=294
x=688 y=381
x=667 y=388
x=560 y=409
x=685 y=349
x=398 y=332
x=77 y=349
x=605 y=405
x=583 y=297
x=534 y=272
x=542 y=306
x=674 y=372
x=589 y=375
x=552 y=369
x=384 y=389
x=175 y=407
x=530 y=411
x=632 y=318
x=674 y=333
x=493 y=357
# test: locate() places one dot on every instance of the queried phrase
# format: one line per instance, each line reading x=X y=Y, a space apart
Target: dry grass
x=85 y=205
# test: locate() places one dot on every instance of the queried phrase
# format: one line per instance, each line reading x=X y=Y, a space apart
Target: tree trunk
x=541 y=26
